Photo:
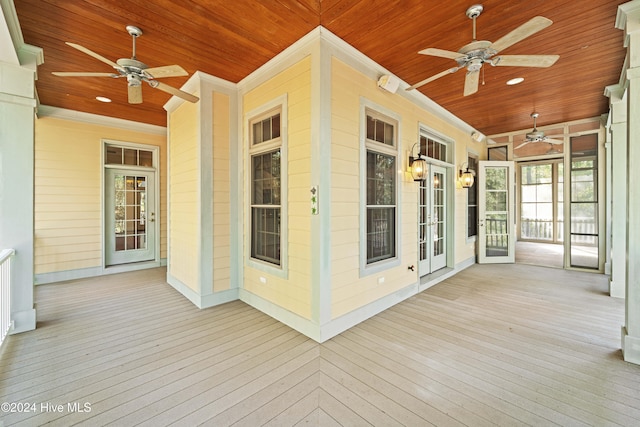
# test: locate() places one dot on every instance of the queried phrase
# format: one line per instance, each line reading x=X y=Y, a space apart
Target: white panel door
x=496 y=226
x=130 y=214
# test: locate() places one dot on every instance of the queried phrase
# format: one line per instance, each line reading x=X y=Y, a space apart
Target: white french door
x=432 y=221
x=496 y=225
x=130 y=214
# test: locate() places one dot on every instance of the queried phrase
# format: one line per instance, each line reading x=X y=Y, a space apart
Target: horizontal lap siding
x=351 y=289
x=292 y=293
x=67 y=194
x=184 y=203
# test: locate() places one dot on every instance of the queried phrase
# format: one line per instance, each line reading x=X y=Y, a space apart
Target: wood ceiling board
x=230 y=40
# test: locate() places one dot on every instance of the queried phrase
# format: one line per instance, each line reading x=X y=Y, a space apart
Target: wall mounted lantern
x=418 y=166
x=466 y=177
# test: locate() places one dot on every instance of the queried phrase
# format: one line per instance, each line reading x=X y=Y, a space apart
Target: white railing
x=5 y=292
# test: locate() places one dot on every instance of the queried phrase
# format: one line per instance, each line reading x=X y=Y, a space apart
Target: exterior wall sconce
x=418 y=166
x=466 y=177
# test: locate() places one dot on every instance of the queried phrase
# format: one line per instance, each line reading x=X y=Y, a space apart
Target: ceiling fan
x=135 y=71
x=538 y=136
x=472 y=55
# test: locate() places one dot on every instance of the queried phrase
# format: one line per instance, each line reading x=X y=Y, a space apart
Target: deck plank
x=493 y=345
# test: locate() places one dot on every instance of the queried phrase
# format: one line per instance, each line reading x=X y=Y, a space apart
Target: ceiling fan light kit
x=135 y=72
x=478 y=52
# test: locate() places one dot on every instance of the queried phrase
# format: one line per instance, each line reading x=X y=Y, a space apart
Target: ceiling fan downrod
x=135 y=32
x=472 y=13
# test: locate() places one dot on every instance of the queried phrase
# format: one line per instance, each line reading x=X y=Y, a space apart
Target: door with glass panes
x=496 y=227
x=129 y=216
x=432 y=221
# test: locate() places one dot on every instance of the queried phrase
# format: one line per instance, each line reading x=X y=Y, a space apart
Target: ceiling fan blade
x=526 y=60
x=441 y=53
x=553 y=141
x=166 y=71
x=432 y=78
x=471 y=82
x=95 y=55
x=135 y=94
x=521 y=145
x=522 y=32
x=173 y=91
x=82 y=74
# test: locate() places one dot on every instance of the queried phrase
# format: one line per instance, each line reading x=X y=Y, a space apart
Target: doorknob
x=152 y=219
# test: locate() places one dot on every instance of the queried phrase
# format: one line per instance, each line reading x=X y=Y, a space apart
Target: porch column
x=628 y=19
x=618 y=134
x=18 y=64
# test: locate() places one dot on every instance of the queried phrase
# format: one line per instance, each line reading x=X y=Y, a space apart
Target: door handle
x=153 y=218
x=481 y=222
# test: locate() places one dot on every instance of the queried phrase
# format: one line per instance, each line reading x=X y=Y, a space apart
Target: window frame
x=378 y=112
x=277 y=106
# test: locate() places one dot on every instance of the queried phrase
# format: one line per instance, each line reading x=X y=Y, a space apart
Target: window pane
x=113 y=155
x=266 y=178
x=257 y=133
x=275 y=126
x=371 y=128
x=146 y=158
x=380 y=179
x=388 y=134
x=265 y=227
x=380 y=234
x=266 y=129
x=130 y=156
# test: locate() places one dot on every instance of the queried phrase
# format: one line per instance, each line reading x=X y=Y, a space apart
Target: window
x=119 y=155
x=266 y=188
x=433 y=148
x=472 y=199
x=537 y=201
x=381 y=194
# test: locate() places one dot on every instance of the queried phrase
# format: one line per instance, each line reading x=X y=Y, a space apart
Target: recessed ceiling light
x=515 y=81
x=103 y=99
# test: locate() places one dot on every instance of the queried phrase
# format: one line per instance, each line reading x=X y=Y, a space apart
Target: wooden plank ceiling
x=231 y=39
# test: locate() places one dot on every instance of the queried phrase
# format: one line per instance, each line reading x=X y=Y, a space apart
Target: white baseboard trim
x=321 y=333
x=446 y=273
x=218 y=298
x=61 y=276
x=347 y=321
x=83 y=273
x=202 y=301
x=185 y=290
x=630 y=347
x=23 y=321
x=294 y=321
x=615 y=290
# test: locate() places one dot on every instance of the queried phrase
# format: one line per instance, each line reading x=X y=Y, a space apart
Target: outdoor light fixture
x=418 y=166
x=466 y=177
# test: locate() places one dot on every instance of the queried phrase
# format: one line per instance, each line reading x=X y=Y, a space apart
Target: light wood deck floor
x=494 y=345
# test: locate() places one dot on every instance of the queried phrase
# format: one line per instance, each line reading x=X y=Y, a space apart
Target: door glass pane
x=496 y=212
x=584 y=202
x=497 y=234
x=560 y=209
x=130 y=212
x=438 y=214
x=423 y=221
